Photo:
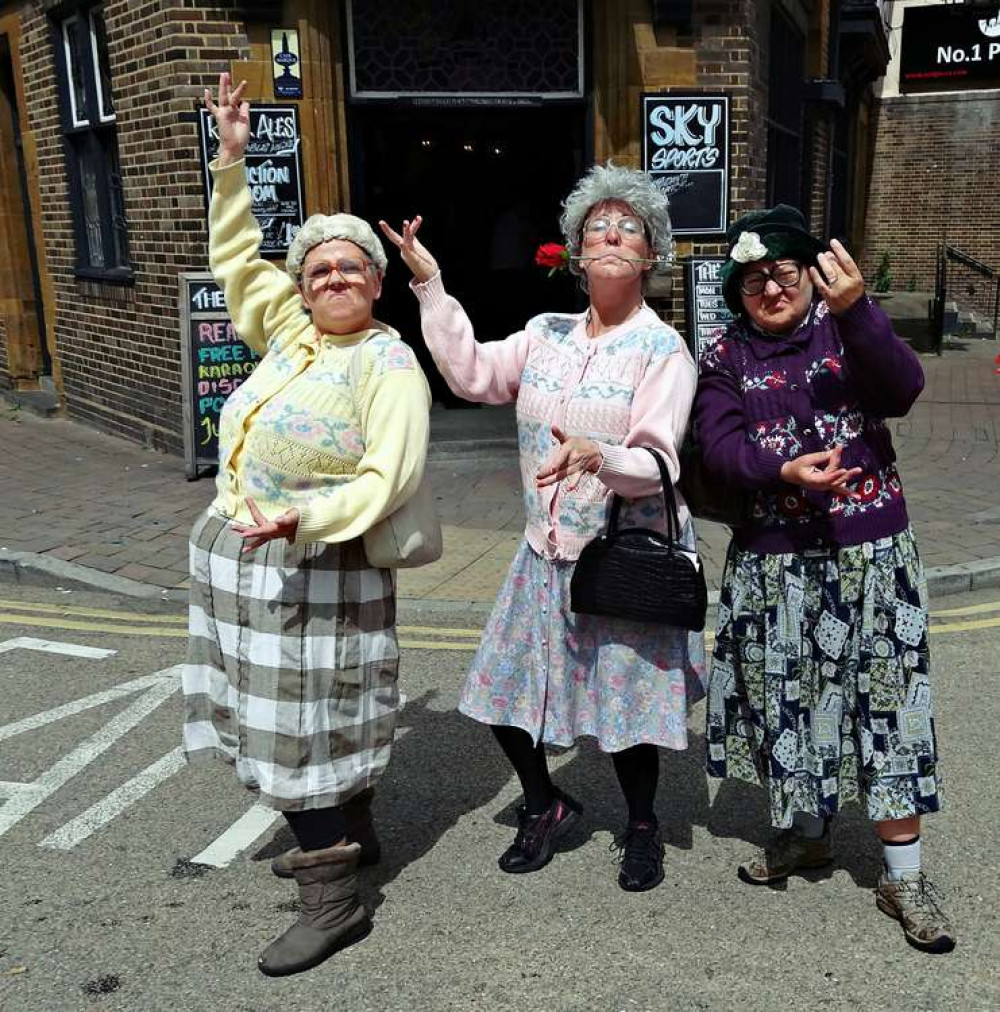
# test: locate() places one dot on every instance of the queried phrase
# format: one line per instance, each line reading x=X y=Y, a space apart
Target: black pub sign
x=273 y=168
x=947 y=47
x=685 y=148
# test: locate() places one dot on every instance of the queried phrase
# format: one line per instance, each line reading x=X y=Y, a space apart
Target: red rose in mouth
x=552 y=255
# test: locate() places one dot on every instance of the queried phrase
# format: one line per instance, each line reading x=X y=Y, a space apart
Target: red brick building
x=479 y=115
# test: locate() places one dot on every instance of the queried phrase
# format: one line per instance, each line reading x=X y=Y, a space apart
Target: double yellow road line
x=127 y=623
x=414 y=637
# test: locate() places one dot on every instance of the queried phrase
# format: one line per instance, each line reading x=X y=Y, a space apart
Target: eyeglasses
x=628 y=226
x=784 y=275
x=349 y=268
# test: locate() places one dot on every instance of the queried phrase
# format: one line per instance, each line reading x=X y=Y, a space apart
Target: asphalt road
x=132 y=882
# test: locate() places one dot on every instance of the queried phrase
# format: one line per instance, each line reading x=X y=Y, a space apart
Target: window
x=88 y=115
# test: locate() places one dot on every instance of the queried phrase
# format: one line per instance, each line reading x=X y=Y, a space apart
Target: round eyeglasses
x=349 y=268
x=630 y=226
x=784 y=275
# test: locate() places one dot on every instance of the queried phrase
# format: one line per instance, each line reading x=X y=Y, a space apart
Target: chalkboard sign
x=685 y=148
x=707 y=312
x=214 y=362
x=274 y=171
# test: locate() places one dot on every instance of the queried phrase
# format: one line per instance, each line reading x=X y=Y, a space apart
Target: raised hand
x=573 y=455
x=415 y=254
x=843 y=284
x=232 y=116
x=263 y=530
x=821 y=472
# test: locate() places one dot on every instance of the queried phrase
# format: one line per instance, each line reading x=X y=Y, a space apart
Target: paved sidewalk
x=84 y=504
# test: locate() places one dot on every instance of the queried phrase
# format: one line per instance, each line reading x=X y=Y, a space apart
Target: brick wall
x=934 y=177
x=118 y=344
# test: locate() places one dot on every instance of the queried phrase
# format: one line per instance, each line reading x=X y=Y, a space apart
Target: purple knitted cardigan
x=763 y=400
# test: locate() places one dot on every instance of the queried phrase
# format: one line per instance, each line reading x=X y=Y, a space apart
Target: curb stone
x=37 y=570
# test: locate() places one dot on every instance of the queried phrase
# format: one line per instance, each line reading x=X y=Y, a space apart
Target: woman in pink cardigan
x=591 y=389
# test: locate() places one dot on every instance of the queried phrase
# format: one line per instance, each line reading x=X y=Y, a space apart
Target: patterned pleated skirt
x=820 y=685
x=292 y=663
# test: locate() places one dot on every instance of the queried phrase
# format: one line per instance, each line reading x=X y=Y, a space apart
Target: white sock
x=902 y=860
x=809 y=826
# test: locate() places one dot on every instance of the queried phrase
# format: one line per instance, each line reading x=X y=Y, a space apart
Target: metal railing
x=969 y=283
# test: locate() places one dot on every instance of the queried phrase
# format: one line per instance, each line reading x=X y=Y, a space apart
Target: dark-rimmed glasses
x=783 y=275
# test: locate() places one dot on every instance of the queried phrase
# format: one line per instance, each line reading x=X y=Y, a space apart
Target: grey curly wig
x=610 y=182
x=324 y=227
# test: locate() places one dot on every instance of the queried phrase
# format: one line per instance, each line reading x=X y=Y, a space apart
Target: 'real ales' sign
x=950 y=47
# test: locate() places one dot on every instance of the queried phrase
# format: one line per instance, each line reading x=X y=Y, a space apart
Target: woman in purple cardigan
x=820 y=682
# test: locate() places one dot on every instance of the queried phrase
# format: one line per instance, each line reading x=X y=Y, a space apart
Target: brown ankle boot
x=359 y=829
x=331 y=915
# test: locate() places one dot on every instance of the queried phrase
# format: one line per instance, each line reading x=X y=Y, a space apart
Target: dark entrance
x=488 y=183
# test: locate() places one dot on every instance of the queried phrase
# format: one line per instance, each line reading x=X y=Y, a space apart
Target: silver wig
x=320 y=228
x=604 y=183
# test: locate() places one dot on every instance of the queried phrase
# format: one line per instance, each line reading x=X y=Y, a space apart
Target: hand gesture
x=574 y=455
x=843 y=285
x=232 y=116
x=415 y=254
x=821 y=472
x=266 y=530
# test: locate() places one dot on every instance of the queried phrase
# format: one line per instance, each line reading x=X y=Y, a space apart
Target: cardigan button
x=808 y=431
x=793 y=386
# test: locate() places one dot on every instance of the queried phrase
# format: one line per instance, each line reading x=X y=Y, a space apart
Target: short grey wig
x=321 y=228
x=604 y=183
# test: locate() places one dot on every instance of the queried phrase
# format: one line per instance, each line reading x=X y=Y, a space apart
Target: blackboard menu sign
x=685 y=148
x=214 y=362
x=947 y=47
x=707 y=312
x=274 y=171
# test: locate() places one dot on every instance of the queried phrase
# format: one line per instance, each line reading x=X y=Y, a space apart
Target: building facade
x=937 y=149
x=480 y=116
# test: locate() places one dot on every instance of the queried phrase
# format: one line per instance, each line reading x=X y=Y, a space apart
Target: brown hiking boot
x=914 y=903
x=359 y=829
x=789 y=852
x=331 y=916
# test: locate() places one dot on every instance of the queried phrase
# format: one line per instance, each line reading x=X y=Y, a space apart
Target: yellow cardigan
x=335 y=425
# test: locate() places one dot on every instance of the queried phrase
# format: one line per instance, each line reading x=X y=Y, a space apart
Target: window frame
x=90 y=143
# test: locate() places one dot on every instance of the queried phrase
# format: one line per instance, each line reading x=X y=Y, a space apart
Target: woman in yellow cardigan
x=292 y=658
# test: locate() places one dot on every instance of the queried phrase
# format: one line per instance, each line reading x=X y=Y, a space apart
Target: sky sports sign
x=947 y=47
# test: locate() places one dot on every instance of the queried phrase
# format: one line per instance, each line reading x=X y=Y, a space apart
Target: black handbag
x=640 y=574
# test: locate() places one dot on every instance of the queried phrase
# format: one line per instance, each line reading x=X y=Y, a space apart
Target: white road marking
x=26 y=801
x=98 y=815
x=54 y=647
x=11 y=787
x=87 y=703
x=237 y=837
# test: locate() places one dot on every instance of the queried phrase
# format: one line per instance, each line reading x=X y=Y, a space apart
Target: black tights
x=317 y=828
x=638 y=770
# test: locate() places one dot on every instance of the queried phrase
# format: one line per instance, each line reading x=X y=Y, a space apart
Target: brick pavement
x=73 y=494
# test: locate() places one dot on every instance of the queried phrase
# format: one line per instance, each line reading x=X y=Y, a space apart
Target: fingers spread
x=390 y=233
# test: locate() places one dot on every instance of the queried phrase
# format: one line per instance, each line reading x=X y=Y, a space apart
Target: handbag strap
x=669 y=501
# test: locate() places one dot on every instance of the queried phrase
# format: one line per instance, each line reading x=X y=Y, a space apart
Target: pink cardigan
x=629 y=388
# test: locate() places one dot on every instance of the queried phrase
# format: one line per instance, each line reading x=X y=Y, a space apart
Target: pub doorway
x=27 y=354
x=488 y=182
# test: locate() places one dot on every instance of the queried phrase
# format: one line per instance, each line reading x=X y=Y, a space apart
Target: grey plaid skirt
x=292 y=664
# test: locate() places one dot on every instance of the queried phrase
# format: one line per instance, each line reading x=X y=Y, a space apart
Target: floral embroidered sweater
x=629 y=388
x=763 y=400
x=335 y=425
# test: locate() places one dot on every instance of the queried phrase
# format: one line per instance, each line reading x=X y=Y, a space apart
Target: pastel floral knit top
x=335 y=425
x=765 y=399
x=629 y=388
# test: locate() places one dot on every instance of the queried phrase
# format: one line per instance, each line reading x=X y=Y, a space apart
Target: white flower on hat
x=748 y=247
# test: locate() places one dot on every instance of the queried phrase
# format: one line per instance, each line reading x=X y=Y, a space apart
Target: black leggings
x=638 y=770
x=317 y=828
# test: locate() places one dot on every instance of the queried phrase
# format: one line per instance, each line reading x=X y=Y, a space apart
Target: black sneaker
x=537 y=834
x=640 y=853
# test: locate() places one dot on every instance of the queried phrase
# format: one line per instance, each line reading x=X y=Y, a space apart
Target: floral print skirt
x=560 y=676
x=820 y=682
